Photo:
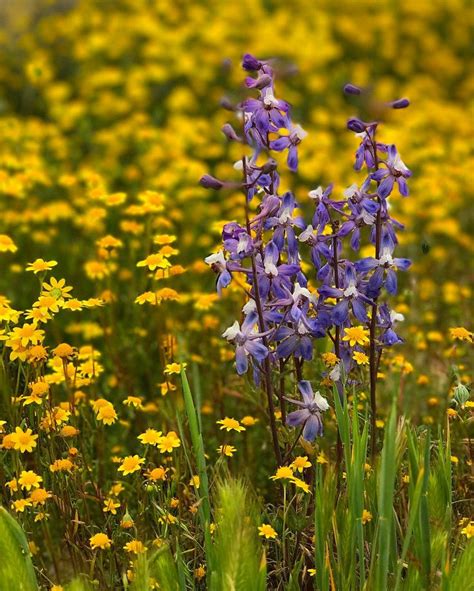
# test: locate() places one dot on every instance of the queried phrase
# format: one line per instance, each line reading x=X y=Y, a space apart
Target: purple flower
x=310 y=414
x=386 y=265
x=219 y=265
x=247 y=341
x=324 y=205
x=350 y=296
x=396 y=171
x=290 y=142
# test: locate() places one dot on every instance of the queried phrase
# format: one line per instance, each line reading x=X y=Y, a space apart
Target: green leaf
x=16 y=568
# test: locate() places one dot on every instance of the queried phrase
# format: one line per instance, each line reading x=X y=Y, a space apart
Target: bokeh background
x=100 y=100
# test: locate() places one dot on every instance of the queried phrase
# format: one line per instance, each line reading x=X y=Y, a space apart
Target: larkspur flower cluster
x=284 y=314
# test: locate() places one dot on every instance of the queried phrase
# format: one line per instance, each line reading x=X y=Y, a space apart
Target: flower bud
x=400 y=103
x=356 y=125
x=352 y=89
x=230 y=133
x=269 y=166
x=249 y=62
x=210 y=182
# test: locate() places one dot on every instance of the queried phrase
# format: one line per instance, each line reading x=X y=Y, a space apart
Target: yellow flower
x=131 y=464
x=135 y=547
x=151 y=437
x=28 y=333
x=468 y=531
x=134 y=401
x=360 y=358
x=110 y=506
x=39 y=496
x=226 y=450
x=322 y=459
x=157 y=474
x=283 y=472
x=155 y=261
x=356 y=335
x=168 y=442
x=20 y=505
x=23 y=440
x=300 y=463
x=100 y=540
x=61 y=465
x=28 y=480
x=63 y=350
x=57 y=289
x=330 y=359
x=200 y=572
x=174 y=368
x=267 y=531
x=230 y=424
x=39 y=265
x=107 y=414
x=249 y=421
x=7 y=244
x=300 y=484
x=366 y=516
x=460 y=333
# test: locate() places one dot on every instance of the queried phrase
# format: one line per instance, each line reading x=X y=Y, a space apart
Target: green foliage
x=239 y=560
x=16 y=569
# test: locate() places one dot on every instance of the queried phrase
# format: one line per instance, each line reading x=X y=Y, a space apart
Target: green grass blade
x=198 y=447
x=385 y=503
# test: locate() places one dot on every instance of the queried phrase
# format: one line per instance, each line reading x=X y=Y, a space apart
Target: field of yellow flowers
x=133 y=455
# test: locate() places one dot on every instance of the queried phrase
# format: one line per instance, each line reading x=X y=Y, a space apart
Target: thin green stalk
x=198 y=447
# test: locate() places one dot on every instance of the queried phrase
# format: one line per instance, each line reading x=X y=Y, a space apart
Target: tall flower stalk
x=284 y=314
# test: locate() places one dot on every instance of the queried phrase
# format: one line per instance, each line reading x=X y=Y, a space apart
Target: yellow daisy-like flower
x=157 y=474
x=356 y=335
x=135 y=547
x=101 y=541
x=110 y=506
x=174 y=368
x=155 y=261
x=300 y=463
x=300 y=484
x=230 y=424
x=20 y=505
x=283 y=472
x=249 y=421
x=131 y=464
x=57 y=289
x=151 y=437
x=134 y=401
x=23 y=441
x=168 y=442
x=39 y=496
x=360 y=358
x=461 y=334
x=29 y=479
x=40 y=265
x=107 y=414
x=366 y=516
x=7 y=244
x=227 y=450
x=267 y=531
x=468 y=531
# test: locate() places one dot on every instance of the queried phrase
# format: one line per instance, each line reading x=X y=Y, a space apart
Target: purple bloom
x=220 y=266
x=310 y=414
x=247 y=341
x=383 y=267
x=396 y=171
x=350 y=296
x=324 y=205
